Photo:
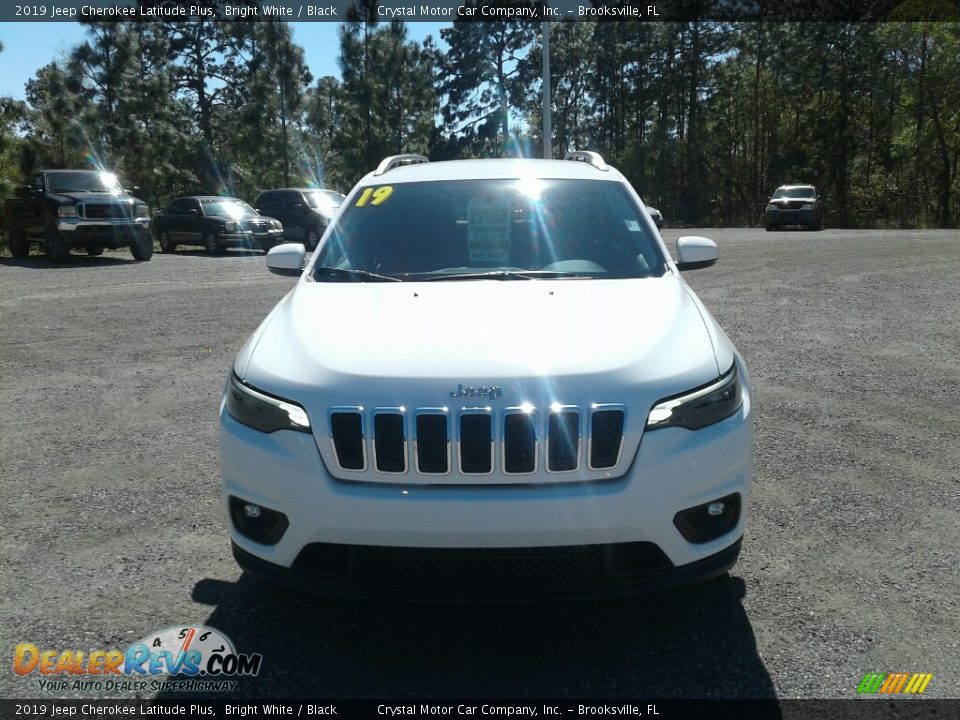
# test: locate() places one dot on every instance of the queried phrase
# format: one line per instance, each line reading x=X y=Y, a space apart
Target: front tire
x=142 y=248
x=18 y=241
x=56 y=248
x=166 y=244
x=311 y=238
x=94 y=250
x=212 y=246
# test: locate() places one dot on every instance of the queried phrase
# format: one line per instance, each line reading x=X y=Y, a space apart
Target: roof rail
x=394 y=161
x=591 y=158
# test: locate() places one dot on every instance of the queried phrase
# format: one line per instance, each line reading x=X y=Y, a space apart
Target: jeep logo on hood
x=483 y=392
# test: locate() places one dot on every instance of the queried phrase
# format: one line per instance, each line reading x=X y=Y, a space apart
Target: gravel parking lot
x=111 y=377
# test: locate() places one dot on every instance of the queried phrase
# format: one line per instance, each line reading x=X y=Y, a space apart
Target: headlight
x=67 y=211
x=263 y=412
x=698 y=408
x=771 y=206
x=141 y=210
x=229 y=226
x=275 y=224
x=807 y=206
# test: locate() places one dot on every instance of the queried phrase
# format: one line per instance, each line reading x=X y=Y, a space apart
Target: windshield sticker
x=632 y=225
x=488 y=230
x=379 y=196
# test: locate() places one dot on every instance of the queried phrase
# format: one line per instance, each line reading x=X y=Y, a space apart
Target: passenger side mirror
x=286 y=259
x=695 y=252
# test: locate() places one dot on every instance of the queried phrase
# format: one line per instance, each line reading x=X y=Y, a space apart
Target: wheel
x=142 y=248
x=818 y=225
x=18 y=241
x=166 y=244
x=212 y=246
x=772 y=227
x=56 y=248
x=94 y=250
x=312 y=238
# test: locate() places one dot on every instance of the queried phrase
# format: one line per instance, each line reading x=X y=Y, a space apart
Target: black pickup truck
x=63 y=209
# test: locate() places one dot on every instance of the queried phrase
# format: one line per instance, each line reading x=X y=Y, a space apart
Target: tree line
x=705 y=118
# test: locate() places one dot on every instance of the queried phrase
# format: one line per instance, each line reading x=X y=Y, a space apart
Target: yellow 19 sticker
x=375 y=196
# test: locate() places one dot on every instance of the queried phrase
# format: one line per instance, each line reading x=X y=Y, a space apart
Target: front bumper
x=674 y=470
x=266 y=240
x=791 y=217
x=518 y=574
x=110 y=233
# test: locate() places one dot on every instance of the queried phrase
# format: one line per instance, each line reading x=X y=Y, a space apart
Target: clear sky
x=29 y=46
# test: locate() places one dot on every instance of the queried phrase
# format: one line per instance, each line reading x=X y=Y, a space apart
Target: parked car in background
x=215 y=223
x=66 y=209
x=794 y=205
x=304 y=212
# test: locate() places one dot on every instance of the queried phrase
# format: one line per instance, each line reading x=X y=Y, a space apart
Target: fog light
x=256 y=522
x=709 y=521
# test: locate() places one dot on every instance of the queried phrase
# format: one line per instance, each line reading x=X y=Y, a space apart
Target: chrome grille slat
x=563 y=439
x=475 y=441
x=479 y=441
x=432 y=443
x=390 y=441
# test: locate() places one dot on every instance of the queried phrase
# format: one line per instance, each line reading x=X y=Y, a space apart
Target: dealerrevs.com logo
x=894 y=683
x=195 y=657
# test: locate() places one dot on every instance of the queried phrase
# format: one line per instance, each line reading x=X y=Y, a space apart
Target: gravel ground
x=111 y=377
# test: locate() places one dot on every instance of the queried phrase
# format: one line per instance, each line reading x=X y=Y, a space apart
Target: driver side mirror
x=695 y=252
x=286 y=259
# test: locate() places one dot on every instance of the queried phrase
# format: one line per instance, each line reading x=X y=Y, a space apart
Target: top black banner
x=486 y=10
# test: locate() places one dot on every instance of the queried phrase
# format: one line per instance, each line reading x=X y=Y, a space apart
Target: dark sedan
x=215 y=223
x=794 y=205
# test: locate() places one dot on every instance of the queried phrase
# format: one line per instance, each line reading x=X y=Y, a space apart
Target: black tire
x=212 y=246
x=817 y=226
x=142 y=248
x=94 y=250
x=312 y=237
x=772 y=228
x=18 y=241
x=166 y=244
x=56 y=248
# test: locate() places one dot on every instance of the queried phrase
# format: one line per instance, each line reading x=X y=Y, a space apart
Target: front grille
x=478 y=441
x=433 y=444
x=346 y=428
x=104 y=211
x=563 y=441
x=481 y=571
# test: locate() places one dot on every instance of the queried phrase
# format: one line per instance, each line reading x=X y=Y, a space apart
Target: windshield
x=324 y=199
x=794 y=193
x=82 y=182
x=498 y=229
x=227 y=207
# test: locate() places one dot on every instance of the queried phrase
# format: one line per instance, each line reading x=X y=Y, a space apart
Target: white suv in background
x=490 y=379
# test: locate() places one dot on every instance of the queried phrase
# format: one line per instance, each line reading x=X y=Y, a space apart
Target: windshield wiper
x=508 y=275
x=324 y=271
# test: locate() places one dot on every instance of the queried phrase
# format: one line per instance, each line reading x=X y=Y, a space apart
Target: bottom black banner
x=487 y=709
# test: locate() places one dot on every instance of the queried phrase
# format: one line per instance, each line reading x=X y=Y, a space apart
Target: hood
x=568 y=341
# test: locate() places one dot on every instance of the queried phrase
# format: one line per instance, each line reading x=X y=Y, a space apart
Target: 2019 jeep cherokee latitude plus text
x=490 y=379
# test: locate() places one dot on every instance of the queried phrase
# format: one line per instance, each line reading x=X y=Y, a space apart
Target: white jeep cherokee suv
x=490 y=379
